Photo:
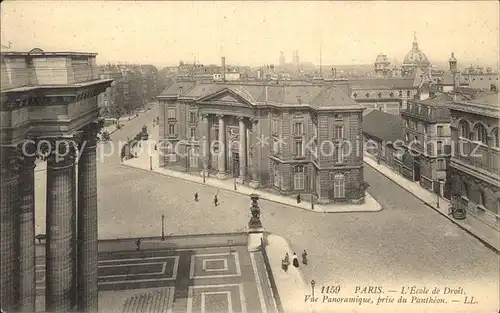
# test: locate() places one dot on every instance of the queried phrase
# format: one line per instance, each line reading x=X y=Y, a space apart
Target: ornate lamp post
x=313 y=283
x=162 y=227
x=150 y=163
x=255 y=229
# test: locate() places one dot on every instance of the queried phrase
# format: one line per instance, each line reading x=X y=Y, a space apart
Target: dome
x=382 y=58
x=416 y=57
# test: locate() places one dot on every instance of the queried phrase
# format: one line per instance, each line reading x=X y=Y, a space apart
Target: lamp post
x=162 y=227
x=150 y=163
x=313 y=283
x=437 y=199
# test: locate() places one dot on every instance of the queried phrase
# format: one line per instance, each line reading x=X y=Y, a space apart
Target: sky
x=253 y=33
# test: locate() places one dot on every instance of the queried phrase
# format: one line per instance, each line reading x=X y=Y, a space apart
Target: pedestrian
x=298 y=198
x=304 y=257
x=196 y=197
x=295 y=260
x=285 y=262
x=138 y=243
x=216 y=201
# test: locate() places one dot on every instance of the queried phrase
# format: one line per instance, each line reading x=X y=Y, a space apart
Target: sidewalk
x=291 y=285
x=148 y=160
x=486 y=234
x=123 y=120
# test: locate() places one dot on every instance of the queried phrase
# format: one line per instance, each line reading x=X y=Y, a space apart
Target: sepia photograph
x=249 y=156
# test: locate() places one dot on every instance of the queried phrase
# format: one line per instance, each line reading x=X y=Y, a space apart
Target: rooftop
x=40 y=52
x=384 y=126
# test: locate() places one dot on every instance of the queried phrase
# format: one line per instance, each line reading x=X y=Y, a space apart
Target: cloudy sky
x=254 y=33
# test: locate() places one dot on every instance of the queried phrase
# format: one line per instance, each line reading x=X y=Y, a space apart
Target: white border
x=223 y=269
x=174 y=271
x=228 y=295
x=257 y=282
x=240 y=288
x=193 y=262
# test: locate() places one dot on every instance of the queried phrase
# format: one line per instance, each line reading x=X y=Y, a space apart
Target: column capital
x=61 y=150
x=27 y=154
x=254 y=120
x=240 y=118
x=219 y=115
x=204 y=115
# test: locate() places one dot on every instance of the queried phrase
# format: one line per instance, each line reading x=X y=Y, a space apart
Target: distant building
x=280 y=128
x=475 y=160
x=415 y=59
x=382 y=66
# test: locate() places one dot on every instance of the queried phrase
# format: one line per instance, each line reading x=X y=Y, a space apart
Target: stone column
x=9 y=231
x=60 y=268
x=222 y=147
x=205 y=143
x=87 y=251
x=243 y=149
x=254 y=149
x=27 y=277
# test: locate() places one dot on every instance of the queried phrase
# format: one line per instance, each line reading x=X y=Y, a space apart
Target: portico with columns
x=51 y=123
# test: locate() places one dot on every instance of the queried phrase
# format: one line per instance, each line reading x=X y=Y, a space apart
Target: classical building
x=292 y=138
x=426 y=136
x=475 y=160
x=48 y=104
x=415 y=59
x=382 y=66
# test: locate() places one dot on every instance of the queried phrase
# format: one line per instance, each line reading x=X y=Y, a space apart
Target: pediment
x=225 y=97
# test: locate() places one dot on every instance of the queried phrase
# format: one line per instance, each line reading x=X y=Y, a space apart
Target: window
x=439 y=145
x=339 y=153
x=171 y=129
x=426 y=128
x=171 y=113
x=391 y=94
x=400 y=93
x=440 y=132
x=298 y=129
x=494 y=137
x=298 y=149
x=465 y=190
x=464 y=129
x=367 y=95
x=407 y=137
x=355 y=95
x=192 y=117
x=441 y=165
x=298 y=178
x=480 y=133
x=338 y=117
x=338 y=132
x=192 y=132
x=315 y=130
x=482 y=200
x=339 y=186
x=193 y=158
x=408 y=93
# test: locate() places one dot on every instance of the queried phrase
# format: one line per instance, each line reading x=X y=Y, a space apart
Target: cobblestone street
x=405 y=243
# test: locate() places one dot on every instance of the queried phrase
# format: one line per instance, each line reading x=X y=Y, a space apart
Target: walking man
x=196 y=197
x=304 y=257
x=216 y=201
x=295 y=260
x=298 y=198
x=138 y=243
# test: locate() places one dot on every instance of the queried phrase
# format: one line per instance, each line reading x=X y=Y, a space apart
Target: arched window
x=480 y=133
x=464 y=129
x=298 y=178
x=407 y=93
x=494 y=137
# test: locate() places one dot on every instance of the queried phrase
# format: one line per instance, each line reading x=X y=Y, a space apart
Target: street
x=405 y=243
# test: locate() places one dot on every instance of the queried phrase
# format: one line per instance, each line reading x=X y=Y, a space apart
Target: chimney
x=223 y=68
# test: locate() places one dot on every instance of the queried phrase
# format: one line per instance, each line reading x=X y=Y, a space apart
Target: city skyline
x=255 y=33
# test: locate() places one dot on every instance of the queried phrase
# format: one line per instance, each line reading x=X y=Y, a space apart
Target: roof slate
x=384 y=126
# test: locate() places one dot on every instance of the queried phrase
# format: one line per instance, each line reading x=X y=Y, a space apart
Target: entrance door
x=236 y=164
x=416 y=171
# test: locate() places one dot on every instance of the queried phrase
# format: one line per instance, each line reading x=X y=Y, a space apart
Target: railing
x=272 y=282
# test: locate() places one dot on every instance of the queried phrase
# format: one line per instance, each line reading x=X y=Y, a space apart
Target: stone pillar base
x=255 y=239
x=240 y=180
x=254 y=184
x=359 y=200
x=221 y=175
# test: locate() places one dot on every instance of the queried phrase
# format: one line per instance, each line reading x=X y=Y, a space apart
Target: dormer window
x=367 y=95
x=391 y=94
x=380 y=95
x=355 y=95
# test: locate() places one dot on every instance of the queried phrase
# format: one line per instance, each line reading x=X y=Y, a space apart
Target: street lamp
x=313 y=283
x=162 y=227
x=150 y=163
x=437 y=199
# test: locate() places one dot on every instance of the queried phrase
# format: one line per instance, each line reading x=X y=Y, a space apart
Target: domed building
x=415 y=59
x=382 y=66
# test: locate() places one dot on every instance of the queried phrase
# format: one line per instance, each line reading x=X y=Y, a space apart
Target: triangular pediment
x=225 y=97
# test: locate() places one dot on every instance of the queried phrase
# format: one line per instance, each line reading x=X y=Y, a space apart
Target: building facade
x=426 y=137
x=48 y=103
x=475 y=161
x=293 y=139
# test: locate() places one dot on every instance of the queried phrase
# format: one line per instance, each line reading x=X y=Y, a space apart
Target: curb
x=484 y=242
x=241 y=193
